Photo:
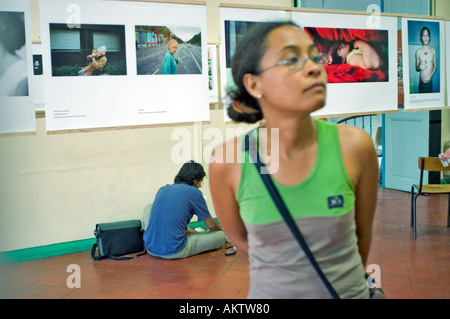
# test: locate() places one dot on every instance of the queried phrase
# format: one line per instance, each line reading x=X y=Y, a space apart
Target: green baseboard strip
x=46 y=251
x=58 y=249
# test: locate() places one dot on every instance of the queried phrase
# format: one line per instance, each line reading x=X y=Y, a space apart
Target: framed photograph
x=88 y=50
x=347 y=49
x=168 y=50
x=37 y=79
x=423 y=63
x=234 y=25
x=17 y=112
x=447 y=33
x=213 y=87
x=107 y=70
x=363 y=61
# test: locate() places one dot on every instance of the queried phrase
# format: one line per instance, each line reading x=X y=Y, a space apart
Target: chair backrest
x=432 y=164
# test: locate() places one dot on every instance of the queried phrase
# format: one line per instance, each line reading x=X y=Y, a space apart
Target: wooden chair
x=431 y=164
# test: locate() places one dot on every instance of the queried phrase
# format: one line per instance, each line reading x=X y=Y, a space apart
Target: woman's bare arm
x=223 y=181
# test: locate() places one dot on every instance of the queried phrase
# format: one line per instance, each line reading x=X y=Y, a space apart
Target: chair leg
x=414 y=219
x=448 y=211
x=412 y=204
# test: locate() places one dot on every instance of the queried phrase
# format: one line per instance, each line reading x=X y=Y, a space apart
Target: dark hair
x=421 y=33
x=247 y=58
x=337 y=59
x=190 y=173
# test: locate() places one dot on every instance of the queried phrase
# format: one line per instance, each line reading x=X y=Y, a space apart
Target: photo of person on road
x=168 y=50
x=170 y=60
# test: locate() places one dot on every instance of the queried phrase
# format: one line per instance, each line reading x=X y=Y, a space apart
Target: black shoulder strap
x=249 y=143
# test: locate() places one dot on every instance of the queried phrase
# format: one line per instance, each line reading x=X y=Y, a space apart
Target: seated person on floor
x=168 y=234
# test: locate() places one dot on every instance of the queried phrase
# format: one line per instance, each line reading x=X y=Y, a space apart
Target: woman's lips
x=316 y=87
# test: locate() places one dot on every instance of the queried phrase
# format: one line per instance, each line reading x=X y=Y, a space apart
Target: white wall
x=54 y=188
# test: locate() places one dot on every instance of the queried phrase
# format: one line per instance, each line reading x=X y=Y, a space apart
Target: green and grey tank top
x=323 y=207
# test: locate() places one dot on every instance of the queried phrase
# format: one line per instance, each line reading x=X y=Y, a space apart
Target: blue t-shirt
x=172 y=210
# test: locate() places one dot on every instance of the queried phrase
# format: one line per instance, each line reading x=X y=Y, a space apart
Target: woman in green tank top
x=327 y=174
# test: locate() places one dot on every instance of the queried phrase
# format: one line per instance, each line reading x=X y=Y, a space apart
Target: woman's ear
x=252 y=83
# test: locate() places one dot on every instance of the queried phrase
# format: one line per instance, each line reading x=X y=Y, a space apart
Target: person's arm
x=200 y=208
x=211 y=224
x=446 y=155
x=366 y=198
x=361 y=162
x=417 y=61
x=99 y=64
x=434 y=63
x=369 y=58
x=189 y=230
x=222 y=182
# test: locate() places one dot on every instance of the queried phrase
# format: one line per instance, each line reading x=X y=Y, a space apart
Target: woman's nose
x=312 y=68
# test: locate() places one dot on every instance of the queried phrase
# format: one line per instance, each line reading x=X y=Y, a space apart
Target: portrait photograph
x=447 y=34
x=13 y=62
x=423 y=63
x=90 y=50
x=168 y=50
x=424 y=56
x=17 y=89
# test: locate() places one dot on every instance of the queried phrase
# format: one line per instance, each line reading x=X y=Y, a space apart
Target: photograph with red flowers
x=356 y=55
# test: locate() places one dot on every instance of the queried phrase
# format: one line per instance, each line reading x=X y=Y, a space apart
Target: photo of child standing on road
x=170 y=60
x=168 y=50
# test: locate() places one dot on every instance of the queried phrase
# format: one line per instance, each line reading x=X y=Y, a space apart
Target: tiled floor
x=410 y=268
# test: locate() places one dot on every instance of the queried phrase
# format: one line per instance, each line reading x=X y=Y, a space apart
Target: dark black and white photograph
x=13 y=63
x=17 y=89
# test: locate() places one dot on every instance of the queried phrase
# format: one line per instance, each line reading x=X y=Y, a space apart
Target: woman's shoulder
x=225 y=164
x=353 y=133
x=355 y=139
x=227 y=152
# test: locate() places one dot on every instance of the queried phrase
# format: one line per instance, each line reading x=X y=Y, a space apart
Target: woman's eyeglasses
x=297 y=63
